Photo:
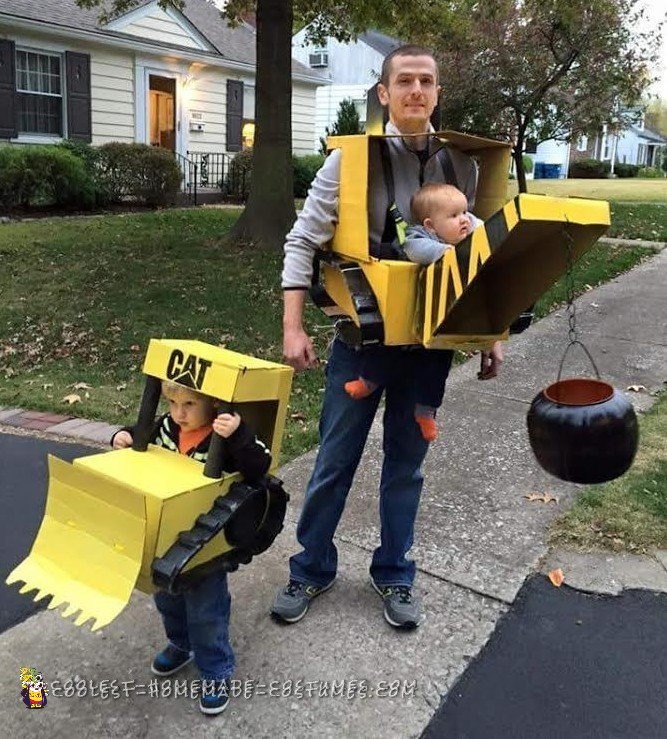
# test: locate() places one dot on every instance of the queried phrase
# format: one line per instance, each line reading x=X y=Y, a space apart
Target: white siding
x=552 y=152
x=327 y=101
x=627 y=147
x=159 y=26
x=112 y=96
x=207 y=94
x=303 y=113
x=352 y=63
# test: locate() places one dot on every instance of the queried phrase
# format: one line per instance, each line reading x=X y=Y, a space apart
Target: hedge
x=236 y=185
x=589 y=169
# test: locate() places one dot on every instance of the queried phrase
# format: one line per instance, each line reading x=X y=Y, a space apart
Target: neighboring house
x=635 y=145
x=180 y=80
x=351 y=68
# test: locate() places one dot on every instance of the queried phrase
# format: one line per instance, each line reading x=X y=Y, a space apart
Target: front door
x=162 y=112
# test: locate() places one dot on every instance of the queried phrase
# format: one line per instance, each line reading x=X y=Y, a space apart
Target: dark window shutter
x=79 y=124
x=234 y=115
x=7 y=89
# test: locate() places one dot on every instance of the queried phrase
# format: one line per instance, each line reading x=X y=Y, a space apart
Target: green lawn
x=82 y=297
x=619 y=189
x=628 y=514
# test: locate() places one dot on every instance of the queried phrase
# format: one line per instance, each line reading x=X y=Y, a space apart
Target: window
x=582 y=143
x=319 y=58
x=39 y=93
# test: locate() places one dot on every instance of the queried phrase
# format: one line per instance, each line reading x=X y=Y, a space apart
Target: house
x=634 y=145
x=350 y=68
x=183 y=81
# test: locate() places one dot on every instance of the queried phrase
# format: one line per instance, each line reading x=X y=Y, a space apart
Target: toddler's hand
x=226 y=424
x=122 y=440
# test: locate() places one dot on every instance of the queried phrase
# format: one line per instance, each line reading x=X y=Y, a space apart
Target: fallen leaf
x=47 y=385
x=81 y=386
x=298 y=416
x=122 y=386
x=636 y=388
x=542 y=497
x=71 y=399
x=135 y=348
x=595 y=305
x=557 y=577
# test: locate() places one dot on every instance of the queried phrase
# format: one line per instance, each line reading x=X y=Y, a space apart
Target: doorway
x=162 y=112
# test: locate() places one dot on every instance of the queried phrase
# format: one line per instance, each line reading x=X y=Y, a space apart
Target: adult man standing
x=409 y=89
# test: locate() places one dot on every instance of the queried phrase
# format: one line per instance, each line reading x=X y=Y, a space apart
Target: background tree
x=347 y=123
x=538 y=69
x=656 y=116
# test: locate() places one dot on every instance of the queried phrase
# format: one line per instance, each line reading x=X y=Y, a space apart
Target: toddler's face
x=450 y=220
x=189 y=410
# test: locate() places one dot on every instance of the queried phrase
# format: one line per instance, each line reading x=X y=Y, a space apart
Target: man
x=409 y=89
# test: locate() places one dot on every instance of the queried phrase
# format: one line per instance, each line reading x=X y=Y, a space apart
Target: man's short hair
x=407 y=50
x=429 y=197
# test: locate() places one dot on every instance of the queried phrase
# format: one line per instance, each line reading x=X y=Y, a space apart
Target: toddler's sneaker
x=170 y=660
x=214 y=697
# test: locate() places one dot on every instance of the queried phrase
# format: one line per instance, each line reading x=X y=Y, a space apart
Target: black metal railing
x=212 y=167
x=190 y=176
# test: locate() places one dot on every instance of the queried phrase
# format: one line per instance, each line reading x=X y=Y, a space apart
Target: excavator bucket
x=146 y=517
x=89 y=548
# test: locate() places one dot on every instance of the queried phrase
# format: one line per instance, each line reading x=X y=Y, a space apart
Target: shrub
x=137 y=171
x=305 y=169
x=626 y=170
x=44 y=175
x=155 y=177
x=589 y=169
x=649 y=172
x=236 y=185
x=527 y=163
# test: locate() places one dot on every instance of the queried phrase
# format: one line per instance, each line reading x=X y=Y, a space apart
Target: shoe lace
x=293 y=587
x=404 y=593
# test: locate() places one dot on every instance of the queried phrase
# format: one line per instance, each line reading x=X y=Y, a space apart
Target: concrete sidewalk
x=477 y=540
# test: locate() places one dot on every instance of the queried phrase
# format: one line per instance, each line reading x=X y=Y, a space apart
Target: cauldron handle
x=588 y=354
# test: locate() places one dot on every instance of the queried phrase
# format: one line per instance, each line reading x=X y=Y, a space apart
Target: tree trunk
x=517 y=154
x=269 y=212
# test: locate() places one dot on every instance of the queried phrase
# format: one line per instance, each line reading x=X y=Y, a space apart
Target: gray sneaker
x=401 y=610
x=293 y=600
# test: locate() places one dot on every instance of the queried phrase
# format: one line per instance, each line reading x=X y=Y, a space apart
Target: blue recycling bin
x=538 y=170
x=551 y=171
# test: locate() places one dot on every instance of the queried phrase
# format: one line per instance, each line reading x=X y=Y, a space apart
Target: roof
x=652 y=136
x=236 y=44
x=380 y=41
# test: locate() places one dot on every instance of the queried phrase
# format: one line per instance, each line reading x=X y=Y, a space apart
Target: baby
x=442 y=211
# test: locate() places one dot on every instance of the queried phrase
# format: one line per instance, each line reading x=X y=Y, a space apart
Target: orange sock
x=428 y=427
x=358 y=389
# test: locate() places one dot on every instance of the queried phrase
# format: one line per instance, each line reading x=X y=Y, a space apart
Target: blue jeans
x=344 y=427
x=198 y=621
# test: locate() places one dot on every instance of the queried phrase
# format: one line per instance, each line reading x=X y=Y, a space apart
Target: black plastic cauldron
x=583 y=430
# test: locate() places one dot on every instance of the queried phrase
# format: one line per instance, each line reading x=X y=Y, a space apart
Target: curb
x=72 y=427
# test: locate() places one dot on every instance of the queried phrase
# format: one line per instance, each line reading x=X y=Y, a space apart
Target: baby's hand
x=122 y=440
x=226 y=424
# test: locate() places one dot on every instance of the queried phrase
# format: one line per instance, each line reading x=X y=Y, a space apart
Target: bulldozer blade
x=88 y=550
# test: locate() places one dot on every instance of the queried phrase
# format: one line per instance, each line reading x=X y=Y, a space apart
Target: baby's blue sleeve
x=422 y=249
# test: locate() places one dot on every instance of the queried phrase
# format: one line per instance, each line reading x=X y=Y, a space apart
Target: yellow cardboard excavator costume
x=145 y=517
x=472 y=295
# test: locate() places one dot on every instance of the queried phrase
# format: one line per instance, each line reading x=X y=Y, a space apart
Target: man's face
x=411 y=93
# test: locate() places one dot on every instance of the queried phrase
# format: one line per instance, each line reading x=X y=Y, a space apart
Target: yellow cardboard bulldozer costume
x=475 y=293
x=146 y=517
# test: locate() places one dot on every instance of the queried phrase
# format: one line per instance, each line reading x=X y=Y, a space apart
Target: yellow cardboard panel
x=351 y=236
x=89 y=548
